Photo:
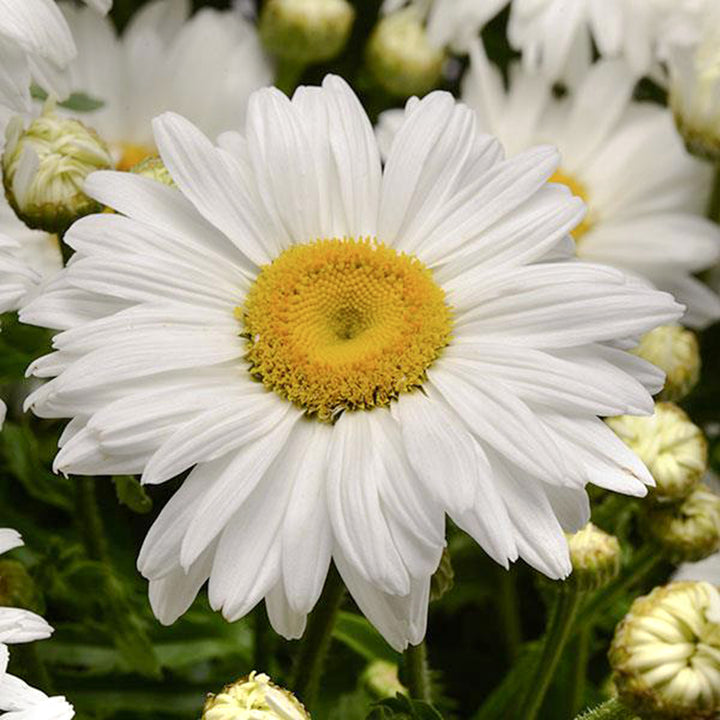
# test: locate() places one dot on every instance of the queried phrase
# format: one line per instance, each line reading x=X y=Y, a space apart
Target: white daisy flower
x=645 y=194
x=554 y=34
x=35 y=43
x=17 y=698
x=204 y=67
x=342 y=355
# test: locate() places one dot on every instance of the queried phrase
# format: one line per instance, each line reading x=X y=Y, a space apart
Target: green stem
x=261 y=649
x=556 y=637
x=417 y=673
x=508 y=607
x=714 y=204
x=582 y=656
x=91 y=521
x=316 y=642
x=610 y=710
x=642 y=563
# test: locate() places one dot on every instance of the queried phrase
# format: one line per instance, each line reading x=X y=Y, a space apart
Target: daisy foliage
x=340 y=354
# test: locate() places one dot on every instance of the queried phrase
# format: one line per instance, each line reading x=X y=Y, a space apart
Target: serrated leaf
x=359 y=635
x=132 y=494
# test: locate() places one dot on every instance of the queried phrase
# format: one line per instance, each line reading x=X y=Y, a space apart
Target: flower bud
x=688 y=531
x=254 y=698
x=595 y=557
x=154 y=168
x=665 y=653
x=694 y=92
x=306 y=31
x=674 y=450
x=401 y=56
x=45 y=166
x=674 y=350
x=381 y=679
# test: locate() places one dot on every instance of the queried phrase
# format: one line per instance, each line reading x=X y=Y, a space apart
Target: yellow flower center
x=131 y=154
x=577 y=188
x=344 y=324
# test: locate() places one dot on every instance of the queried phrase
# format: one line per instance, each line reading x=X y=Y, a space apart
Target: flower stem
x=90 y=520
x=417 y=673
x=582 y=655
x=714 y=204
x=316 y=642
x=642 y=563
x=610 y=710
x=508 y=607
x=558 y=633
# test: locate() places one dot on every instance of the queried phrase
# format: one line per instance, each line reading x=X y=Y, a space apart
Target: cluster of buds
x=666 y=651
x=45 y=166
x=672 y=447
x=254 y=698
x=154 y=168
x=306 y=31
x=675 y=350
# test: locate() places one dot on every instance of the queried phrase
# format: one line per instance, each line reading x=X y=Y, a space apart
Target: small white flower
x=204 y=67
x=646 y=195
x=35 y=43
x=344 y=355
x=17 y=699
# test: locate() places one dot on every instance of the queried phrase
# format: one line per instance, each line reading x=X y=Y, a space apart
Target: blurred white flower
x=35 y=44
x=646 y=195
x=695 y=87
x=17 y=699
x=555 y=34
x=342 y=355
x=204 y=66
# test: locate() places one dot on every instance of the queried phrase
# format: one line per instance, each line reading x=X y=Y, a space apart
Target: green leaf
x=22 y=457
x=77 y=102
x=359 y=635
x=132 y=494
x=403 y=708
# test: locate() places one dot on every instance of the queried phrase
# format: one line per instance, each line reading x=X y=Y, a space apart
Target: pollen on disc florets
x=344 y=325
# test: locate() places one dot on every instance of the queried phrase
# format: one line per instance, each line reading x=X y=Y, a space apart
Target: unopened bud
x=595 y=557
x=45 y=166
x=665 y=653
x=674 y=350
x=401 y=56
x=254 y=698
x=688 y=531
x=154 y=168
x=672 y=447
x=381 y=679
x=306 y=31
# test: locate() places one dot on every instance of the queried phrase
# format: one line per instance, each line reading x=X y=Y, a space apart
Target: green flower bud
x=688 y=531
x=443 y=578
x=306 y=31
x=595 y=557
x=675 y=351
x=381 y=679
x=254 y=698
x=665 y=654
x=154 y=168
x=45 y=166
x=401 y=56
x=674 y=450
